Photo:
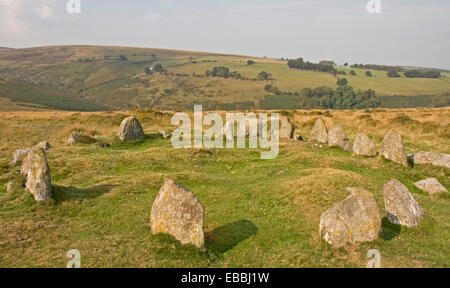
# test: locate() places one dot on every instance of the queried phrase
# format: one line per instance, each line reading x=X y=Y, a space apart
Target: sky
x=406 y=32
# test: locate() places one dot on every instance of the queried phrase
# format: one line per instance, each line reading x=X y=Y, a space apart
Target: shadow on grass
x=228 y=236
x=390 y=230
x=147 y=142
x=63 y=194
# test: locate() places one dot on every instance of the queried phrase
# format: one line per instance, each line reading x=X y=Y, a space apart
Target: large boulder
x=319 y=132
x=130 y=130
x=364 y=146
x=436 y=159
x=430 y=185
x=178 y=212
x=401 y=207
x=37 y=173
x=392 y=148
x=355 y=219
x=338 y=138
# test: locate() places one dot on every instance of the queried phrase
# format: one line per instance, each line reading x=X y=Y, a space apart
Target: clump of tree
x=353 y=73
x=223 y=72
x=264 y=76
x=376 y=67
x=422 y=74
x=250 y=62
x=344 y=97
x=272 y=89
x=342 y=82
x=393 y=73
x=299 y=63
x=369 y=74
x=123 y=58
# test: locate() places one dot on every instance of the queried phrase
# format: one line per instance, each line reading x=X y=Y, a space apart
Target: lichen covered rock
x=37 y=173
x=130 y=130
x=392 y=148
x=355 y=219
x=178 y=212
x=338 y=138
x=401 y=207
x=319 y=132
x=364 y=146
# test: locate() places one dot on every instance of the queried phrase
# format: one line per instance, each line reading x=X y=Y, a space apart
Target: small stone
x=355 y=219
x=298 y=137
x=10 y=186
x=130 y=130
x=164 y=134
x=364 y=146
x=431 y=185
x=178 y=212
x=73 y=139
x=392 y=148
x=319 y=132
x=401 y=207
x=338 y=138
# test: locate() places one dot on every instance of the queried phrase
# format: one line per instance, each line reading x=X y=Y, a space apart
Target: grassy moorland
x=259 y=213
x=114 y=78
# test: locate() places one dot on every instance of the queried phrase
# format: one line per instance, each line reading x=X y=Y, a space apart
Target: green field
x=99 y=76
x=259 y=213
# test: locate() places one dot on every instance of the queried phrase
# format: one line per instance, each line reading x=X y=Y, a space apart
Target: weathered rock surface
x=130 y=130
x=401 y=207
x=436 y=159
x=338 y=138
x=319 y=132
x=37 y=173
x=430 y=185
x=355 y=219
x=364 y=146
x=19 y=155
x=44 y=145
x=178 y=212
x=392 y=148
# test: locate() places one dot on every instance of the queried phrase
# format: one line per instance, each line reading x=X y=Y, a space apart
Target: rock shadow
x=228 y=236
x=64 y=194
x=390 y=230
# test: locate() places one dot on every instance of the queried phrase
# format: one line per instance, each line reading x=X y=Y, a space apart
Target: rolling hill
x=89 y=78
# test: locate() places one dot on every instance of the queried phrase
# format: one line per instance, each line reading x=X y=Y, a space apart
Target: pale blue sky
x=407 y=32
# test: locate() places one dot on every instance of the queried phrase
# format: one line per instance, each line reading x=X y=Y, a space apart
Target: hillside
x=114 y=78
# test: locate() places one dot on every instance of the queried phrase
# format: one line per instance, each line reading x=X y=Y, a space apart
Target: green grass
x=259 y=213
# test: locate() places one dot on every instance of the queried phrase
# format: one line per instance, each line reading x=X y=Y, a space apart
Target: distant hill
x=117 y=78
